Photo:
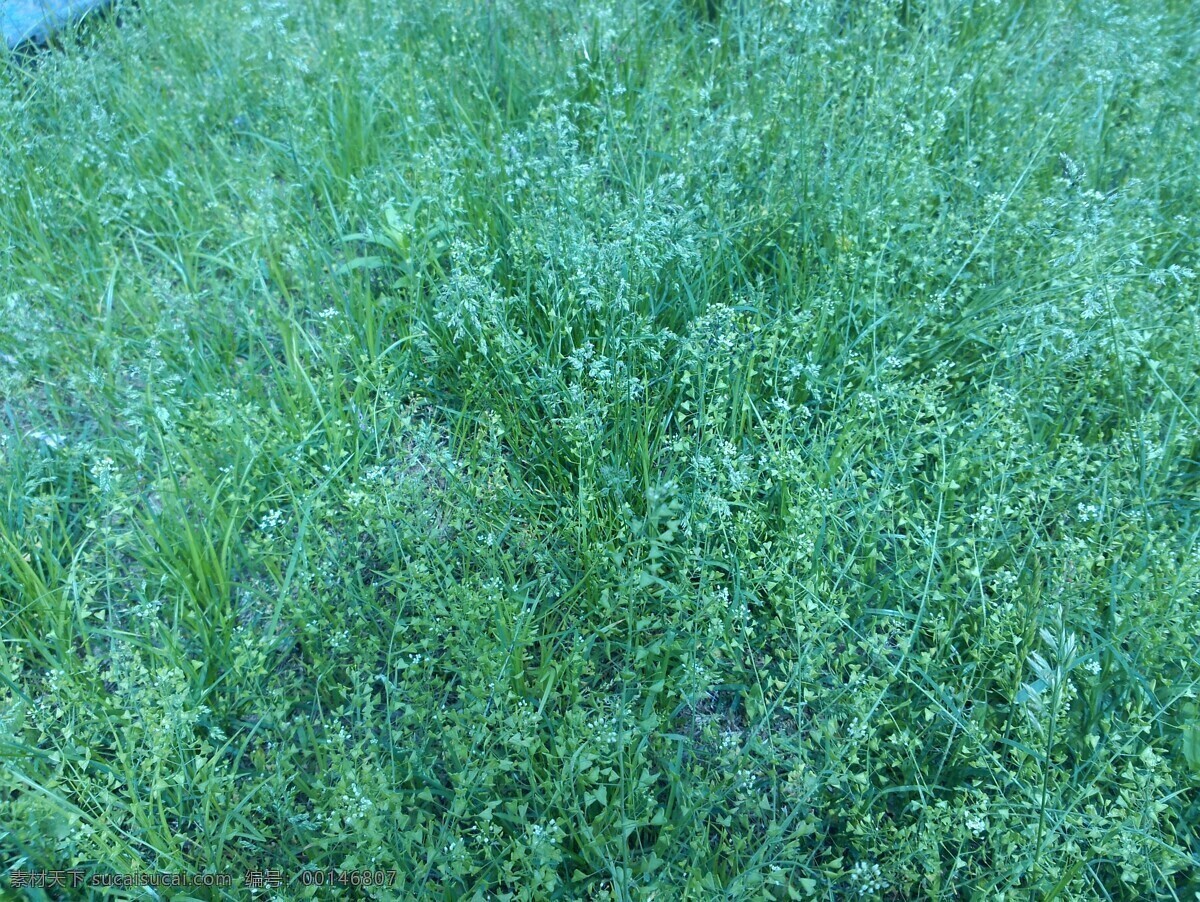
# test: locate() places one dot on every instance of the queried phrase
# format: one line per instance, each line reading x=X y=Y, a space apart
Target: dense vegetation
x=630 y=450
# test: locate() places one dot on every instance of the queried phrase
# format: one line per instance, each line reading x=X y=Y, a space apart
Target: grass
x=624 y=450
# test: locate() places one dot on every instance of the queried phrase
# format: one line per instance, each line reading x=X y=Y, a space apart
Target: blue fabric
x=36 y=20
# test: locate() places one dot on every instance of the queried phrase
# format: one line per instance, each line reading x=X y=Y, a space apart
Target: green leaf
x=1191 y=745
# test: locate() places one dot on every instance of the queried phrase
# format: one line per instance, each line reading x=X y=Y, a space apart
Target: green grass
x=651 y=450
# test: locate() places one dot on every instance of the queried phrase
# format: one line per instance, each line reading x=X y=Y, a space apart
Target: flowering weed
x=616 y=450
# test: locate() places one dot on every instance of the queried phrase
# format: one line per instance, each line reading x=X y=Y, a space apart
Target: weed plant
x=618 y=450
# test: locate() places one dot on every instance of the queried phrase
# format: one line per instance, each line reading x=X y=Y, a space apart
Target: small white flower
x=867 y=879
x=270 y=522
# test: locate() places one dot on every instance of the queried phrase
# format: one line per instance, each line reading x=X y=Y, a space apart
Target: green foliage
x=620 y=450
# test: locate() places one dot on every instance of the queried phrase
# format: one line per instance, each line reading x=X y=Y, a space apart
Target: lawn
x=636 y=449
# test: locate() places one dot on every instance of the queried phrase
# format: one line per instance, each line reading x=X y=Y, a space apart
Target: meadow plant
x=618 y=450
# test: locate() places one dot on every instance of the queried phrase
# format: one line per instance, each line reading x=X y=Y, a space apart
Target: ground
x=626 y=450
